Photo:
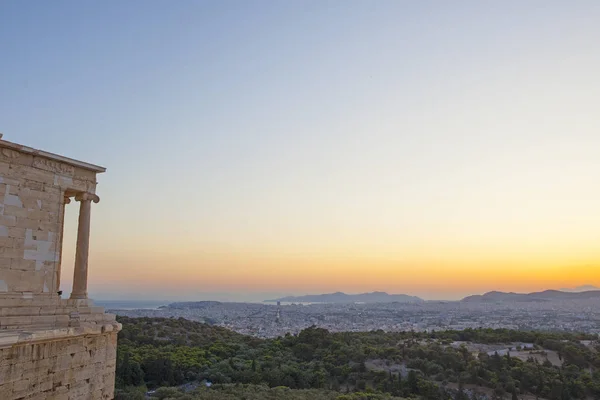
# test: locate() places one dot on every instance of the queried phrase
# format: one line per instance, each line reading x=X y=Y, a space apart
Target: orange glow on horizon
x=431 y=277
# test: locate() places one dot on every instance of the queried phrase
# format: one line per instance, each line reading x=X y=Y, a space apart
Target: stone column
x=83 y=245
x=62 y=231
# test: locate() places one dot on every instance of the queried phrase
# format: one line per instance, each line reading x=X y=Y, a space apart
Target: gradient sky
x=257 y=147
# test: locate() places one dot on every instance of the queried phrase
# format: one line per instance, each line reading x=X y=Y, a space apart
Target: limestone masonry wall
x=32 y=198
x=50 y=347
x=75 y=368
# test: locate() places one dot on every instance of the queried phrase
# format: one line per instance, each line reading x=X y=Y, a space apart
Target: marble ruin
x=51 y=347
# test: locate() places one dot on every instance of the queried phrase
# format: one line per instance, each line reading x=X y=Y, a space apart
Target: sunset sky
x=256 y=148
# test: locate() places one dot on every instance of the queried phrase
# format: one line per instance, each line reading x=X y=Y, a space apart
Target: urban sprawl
x=273 y=320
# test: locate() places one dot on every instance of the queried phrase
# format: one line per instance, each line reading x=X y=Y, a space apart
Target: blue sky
x=248 y=136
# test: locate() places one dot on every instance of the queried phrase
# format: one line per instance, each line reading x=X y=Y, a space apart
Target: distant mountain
x=584 y=288
x=547 y=295
x=339 y=297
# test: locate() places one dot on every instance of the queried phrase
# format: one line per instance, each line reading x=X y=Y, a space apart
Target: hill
x=579 y=289
x=547 y=295
x=317 y=364
x=180 y=331
x=339 y=297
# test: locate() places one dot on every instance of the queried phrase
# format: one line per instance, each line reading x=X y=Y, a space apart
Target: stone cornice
x=51 y=156
x=10 y=338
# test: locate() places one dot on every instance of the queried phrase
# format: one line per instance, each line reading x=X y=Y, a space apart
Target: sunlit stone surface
x=50 y=347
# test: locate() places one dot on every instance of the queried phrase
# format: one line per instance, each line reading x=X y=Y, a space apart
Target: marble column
x=83 y=245
x=62 y=231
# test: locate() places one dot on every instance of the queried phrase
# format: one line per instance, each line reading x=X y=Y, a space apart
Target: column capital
x=85 y=196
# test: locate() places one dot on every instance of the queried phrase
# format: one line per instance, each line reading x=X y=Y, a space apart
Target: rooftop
x=29 y=150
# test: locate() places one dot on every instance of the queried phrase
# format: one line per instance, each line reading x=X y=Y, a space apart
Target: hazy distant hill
x=339 y=297
x=547 y=295
x=584 y=288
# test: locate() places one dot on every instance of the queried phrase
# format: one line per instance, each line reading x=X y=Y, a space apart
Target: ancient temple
x=52 y=345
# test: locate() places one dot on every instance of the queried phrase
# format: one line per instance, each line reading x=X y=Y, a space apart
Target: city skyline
x=430 y=149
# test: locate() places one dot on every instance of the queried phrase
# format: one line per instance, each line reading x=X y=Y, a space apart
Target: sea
x=155 y=304
x=131 y=304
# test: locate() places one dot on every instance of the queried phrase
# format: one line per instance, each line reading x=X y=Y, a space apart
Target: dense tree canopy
x=155 y=352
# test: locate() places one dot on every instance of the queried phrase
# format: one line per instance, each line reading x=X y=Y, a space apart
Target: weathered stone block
x=10 y=252
x=22 y=265
x=17 y=321
x=16 y=311
x=27 y=223
x=15 y=211
x=39 y=176
x=8 y=220
x=6 y=241
x=16 y=232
